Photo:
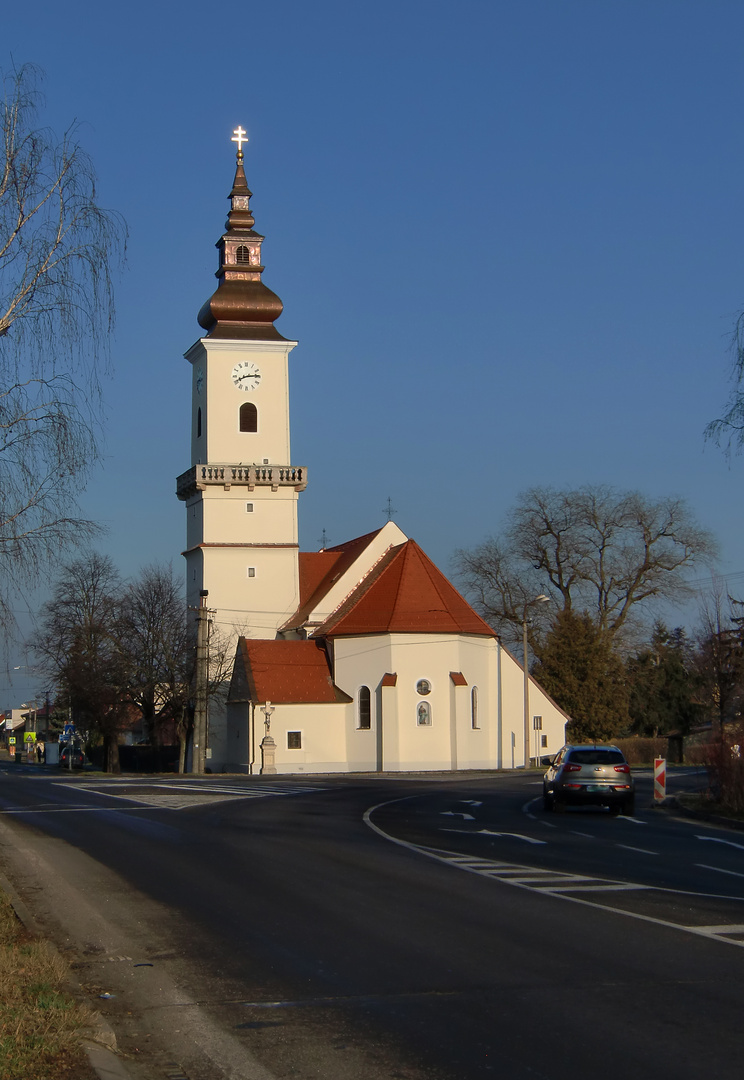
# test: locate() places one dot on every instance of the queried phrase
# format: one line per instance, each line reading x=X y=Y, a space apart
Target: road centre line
x=642 y=850
x=719 y=869
x=720 y=840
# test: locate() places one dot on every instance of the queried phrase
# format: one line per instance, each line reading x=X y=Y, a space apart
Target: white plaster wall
x=219 y=516
x=252 y=606
x=405 y=743
x=221 y=439
x=323 y=729
x=554 y=722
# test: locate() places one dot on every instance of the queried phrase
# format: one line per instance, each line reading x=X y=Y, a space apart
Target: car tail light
x=622 y=768
x=572 y=785
x=572 y=768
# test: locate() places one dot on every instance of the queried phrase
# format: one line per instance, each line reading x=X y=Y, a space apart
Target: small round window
x=423 y=687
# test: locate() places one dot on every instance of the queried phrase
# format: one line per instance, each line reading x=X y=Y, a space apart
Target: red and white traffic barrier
x=659 y=779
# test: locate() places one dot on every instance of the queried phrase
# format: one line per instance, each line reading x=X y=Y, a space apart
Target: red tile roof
x=405 y=593
x=458 y=679
x=319 y=570
x=287 y=672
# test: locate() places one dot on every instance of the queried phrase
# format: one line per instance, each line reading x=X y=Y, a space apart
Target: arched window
x=248 y=417
x=242 y=255
x=364 y=708
x=474 y=707
x=198 y=423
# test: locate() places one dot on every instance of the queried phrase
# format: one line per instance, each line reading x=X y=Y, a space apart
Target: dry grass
x=40 y=1023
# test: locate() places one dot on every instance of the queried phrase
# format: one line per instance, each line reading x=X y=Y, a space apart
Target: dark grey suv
x=591 y=773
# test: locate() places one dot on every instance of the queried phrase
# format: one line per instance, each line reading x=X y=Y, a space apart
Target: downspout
x=252 y=740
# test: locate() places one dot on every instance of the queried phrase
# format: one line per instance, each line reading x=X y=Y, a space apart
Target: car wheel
x=614 y=809
x=558 y=805
x=629 y=807
x=547 y=801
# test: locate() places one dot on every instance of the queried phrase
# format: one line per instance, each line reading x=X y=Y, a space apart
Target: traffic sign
x=659 y=779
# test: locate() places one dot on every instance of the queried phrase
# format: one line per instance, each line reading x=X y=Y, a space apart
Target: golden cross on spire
x=239 y=136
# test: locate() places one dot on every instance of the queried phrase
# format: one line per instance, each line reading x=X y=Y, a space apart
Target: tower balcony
x=199 y=477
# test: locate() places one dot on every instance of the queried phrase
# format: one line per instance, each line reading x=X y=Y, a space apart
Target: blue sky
x=507 y=235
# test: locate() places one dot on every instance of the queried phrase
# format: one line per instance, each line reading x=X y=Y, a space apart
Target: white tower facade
x=241 y=490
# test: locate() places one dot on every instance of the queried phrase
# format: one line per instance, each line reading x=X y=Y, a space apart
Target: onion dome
x=242 y=306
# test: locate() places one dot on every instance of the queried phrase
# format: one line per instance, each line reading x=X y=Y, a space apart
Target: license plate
x=595 y=787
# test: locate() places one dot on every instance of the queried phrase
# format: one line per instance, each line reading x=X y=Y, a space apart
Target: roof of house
x=286 y=672
x=404 y=593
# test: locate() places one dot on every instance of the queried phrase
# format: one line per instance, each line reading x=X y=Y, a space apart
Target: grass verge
x=40 y=1023
x=702 y=803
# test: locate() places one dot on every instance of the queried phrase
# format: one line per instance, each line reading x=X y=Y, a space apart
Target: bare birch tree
x=58 y=252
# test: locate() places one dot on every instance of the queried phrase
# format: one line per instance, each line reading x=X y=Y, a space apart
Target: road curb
x=98 y=1038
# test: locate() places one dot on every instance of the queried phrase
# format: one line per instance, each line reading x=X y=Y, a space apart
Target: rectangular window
x=251 y=571
x=543 y=740
x=294 y=740
x=537 y=723
x=249 y=508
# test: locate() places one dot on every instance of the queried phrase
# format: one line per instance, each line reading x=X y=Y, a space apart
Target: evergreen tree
x=580 y=669
x=661 y=684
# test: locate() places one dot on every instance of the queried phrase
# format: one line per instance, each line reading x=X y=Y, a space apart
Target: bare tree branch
x=58 y=250
x=592 y=550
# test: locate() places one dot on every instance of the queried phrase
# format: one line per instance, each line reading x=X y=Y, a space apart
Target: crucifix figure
x=267 y=710
x=239 y=136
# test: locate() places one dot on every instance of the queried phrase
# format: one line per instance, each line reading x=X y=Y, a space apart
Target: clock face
x=246 y=376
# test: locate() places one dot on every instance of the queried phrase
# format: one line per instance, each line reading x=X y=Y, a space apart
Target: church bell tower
x=241 y=490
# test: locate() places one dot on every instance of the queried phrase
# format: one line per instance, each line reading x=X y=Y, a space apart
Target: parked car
x=71 y=757
x=589 y=774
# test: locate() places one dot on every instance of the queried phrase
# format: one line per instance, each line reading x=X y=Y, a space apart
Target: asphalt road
x=388 y=928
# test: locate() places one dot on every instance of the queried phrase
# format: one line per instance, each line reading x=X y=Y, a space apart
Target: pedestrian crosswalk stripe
x=527 y=877
x=185 y=795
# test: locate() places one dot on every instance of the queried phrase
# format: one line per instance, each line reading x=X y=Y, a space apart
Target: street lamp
x=541 y=599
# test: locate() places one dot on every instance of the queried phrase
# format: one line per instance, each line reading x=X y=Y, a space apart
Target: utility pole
x=201 y=680
x=541 y=599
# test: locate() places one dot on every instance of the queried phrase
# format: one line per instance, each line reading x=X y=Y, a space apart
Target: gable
x=327 y=577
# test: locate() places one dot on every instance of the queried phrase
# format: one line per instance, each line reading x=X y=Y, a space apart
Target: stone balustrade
x=199 y=477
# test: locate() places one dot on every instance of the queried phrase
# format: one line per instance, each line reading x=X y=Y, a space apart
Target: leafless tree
x=728 y=429
x=719 y=659
x=78 y=646
x=595 y=550
x=156 y=644
x=58 y=251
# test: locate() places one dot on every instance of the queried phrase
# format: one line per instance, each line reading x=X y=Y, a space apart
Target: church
x=362 y=657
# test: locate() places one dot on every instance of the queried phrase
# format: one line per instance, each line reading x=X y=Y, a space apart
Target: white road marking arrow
x=453 y=813
x=718 y=840
x=471 y=802
x=516 y=835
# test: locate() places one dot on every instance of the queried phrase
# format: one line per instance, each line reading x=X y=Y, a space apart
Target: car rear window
x=596 y=757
